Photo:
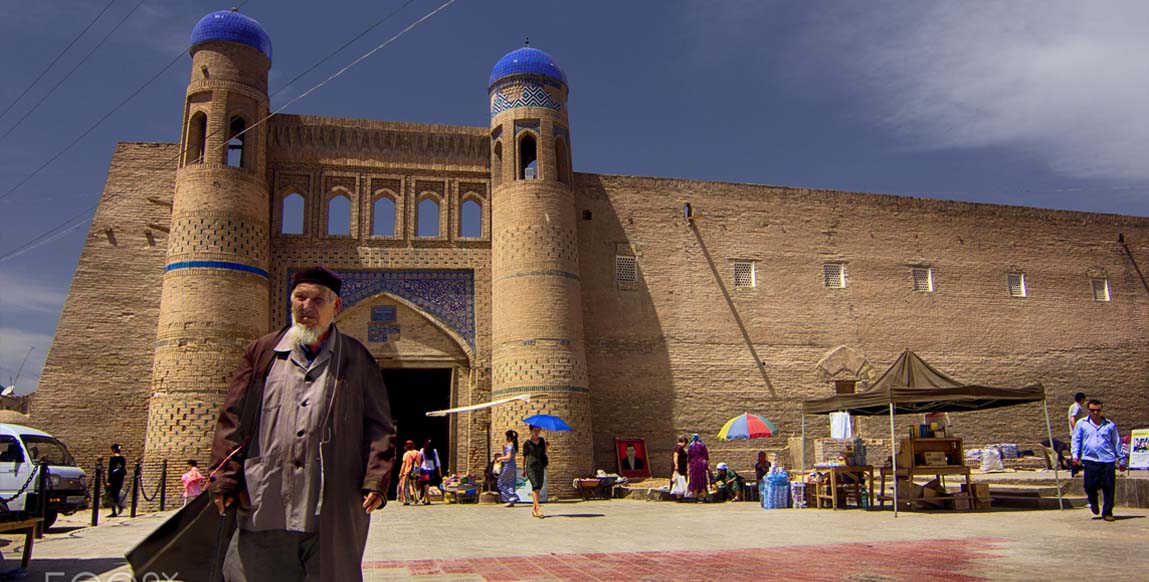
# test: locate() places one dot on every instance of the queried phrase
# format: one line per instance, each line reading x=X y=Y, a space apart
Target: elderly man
x=304 y=446
x=1097 y=445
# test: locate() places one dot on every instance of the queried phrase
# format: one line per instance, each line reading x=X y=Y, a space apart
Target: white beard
x=302 y=335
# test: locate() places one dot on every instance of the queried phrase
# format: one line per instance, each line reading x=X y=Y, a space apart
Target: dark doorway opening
x=413 y=393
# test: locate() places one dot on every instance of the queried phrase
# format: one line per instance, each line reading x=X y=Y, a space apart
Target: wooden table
x=28 y=527
x=849 y=478
x=907 y=474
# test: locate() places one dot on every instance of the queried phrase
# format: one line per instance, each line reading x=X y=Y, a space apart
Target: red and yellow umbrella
x=747 y=426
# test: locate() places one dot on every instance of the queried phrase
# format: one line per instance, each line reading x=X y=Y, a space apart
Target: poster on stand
x=1139 y=449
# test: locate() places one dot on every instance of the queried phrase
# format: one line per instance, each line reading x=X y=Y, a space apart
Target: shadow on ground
x=78 y=569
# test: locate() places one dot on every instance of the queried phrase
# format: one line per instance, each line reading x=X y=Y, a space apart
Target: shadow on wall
x=628 y=366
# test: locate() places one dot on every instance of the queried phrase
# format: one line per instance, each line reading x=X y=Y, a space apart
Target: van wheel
x=50 y=518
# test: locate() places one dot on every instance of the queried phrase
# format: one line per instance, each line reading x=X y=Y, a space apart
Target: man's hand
x=222 y=502
x=1076 y=462
x=372 y=501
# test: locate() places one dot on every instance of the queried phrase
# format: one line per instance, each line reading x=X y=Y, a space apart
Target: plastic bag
x=991 y=460
x=678 y=485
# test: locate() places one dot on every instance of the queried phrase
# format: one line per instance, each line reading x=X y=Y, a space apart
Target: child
x=193 y=481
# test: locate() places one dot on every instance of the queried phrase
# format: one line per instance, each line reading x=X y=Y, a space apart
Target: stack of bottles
x=797 y=494
x=774 y=489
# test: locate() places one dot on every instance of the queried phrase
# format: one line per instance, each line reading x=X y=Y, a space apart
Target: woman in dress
x=678 y=471
x=698 y=459
x=508 y=472
x=117 y=470
x=762 y=467
x=408 y=482
x=535 y=461
x=431 y=470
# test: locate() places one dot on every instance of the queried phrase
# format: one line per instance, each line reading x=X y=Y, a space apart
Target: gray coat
x=358 y=459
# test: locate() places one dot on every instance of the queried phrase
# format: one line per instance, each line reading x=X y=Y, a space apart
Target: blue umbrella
x=548 y=422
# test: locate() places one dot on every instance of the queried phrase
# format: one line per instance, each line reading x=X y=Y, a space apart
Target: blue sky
x=1023 y=102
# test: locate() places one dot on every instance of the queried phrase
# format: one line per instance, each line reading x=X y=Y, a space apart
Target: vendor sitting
x=729 y=483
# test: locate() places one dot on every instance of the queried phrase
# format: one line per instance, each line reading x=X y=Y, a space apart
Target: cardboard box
x=934 y=457
x=979 y=490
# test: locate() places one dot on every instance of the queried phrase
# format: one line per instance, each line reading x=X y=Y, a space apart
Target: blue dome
x=527 y=61
x=232 y=27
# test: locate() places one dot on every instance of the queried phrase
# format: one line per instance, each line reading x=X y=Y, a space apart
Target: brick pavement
x=632 y=540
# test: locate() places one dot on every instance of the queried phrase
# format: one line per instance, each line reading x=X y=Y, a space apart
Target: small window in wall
x=292 y=220
x=744 y=274
x=1016 y=284
x=339 y=216
x=626 y=270
x=427 y=218
x=235 y=154
x=562 y=161
x=471 y=220
x=383 y=217
x=834 y=275
x=196 y=138
x=528 y=158
x=1100 y=289
x=923 y=279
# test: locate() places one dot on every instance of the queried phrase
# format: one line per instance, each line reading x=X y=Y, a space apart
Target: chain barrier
x=23 y=487
x=144 y=490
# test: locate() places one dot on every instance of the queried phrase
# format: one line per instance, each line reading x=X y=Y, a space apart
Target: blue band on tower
x=217 y=265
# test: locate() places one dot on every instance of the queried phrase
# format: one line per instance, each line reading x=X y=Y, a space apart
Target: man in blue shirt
x=1097 y=445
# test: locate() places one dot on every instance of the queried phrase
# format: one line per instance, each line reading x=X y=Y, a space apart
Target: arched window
x=383 y=217
x=235 y=155
x=497 y=164
x=471 y=219
x=562 y=161
x=292 y=220
x=427 y=218
x=528 y=158
x=339 y=215
x=194 y=144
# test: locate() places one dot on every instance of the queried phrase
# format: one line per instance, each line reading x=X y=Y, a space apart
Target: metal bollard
x=135 y=489
x=97 y=487
x=41 y=498
x=163 y=484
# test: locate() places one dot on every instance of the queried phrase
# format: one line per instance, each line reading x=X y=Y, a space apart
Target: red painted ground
x=936 y=560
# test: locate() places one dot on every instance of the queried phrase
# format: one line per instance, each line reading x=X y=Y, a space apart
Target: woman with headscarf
x=762 y=467
x=508 y=472
x=698 y=461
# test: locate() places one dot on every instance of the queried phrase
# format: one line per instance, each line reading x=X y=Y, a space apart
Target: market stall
x=911 y=385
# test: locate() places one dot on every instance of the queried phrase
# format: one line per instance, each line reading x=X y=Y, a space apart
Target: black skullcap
x=319 y=275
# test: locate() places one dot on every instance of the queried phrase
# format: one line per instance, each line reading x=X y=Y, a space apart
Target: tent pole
x=802 y=463
x=893 y=460
x=1053 y=460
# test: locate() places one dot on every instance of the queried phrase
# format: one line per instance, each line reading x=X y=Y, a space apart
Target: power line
x=55 y=60
x=74 y=69
x=50 y=235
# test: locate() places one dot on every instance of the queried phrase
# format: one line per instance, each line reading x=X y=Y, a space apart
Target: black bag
x=177 y=549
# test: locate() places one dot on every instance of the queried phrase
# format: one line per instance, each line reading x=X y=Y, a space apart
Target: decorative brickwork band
x=536 y=389
x=546 y=273
x=216 y=265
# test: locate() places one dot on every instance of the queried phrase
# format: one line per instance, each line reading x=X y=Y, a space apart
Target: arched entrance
x=426 y=366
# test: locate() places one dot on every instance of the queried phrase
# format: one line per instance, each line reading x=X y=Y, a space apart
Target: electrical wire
x=55 y=60
x=74 y=69
x=51 y=234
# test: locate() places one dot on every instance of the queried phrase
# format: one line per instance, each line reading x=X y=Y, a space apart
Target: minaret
x=537 y=327
x=215 y=283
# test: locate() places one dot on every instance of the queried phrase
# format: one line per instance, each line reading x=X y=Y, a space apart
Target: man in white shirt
x=1076 y=410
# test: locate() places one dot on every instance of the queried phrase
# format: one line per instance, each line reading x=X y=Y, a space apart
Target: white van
x=21 y=450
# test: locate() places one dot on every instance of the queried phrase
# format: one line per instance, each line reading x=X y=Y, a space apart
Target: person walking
x=117 y=471
x=508 y=472
x=1097 y=446
x=430 y=470
x=193 y=481
x=1076 y=410
x=698 y=459
x=535 y=461
x=304 y=446
x=407 y=489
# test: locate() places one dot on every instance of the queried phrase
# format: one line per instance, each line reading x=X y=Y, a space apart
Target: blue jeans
x=1101 y=476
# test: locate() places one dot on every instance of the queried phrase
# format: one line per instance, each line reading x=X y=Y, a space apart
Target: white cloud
x=14 y=346
x=22 y=294
x=1061 y=80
